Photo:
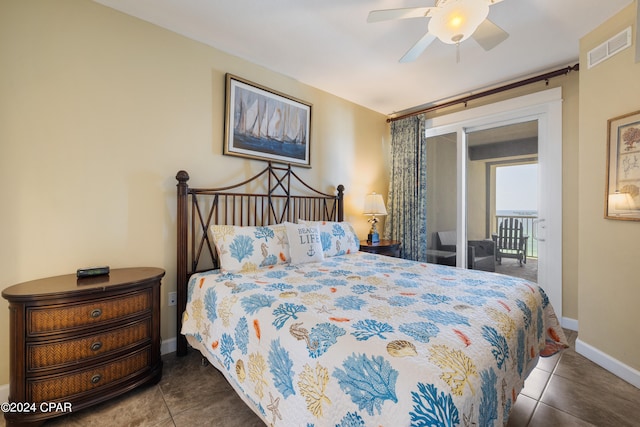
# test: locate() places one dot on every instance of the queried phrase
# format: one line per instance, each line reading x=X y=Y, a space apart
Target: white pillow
x=304 y=243
x=250 y=248
x=338 y=238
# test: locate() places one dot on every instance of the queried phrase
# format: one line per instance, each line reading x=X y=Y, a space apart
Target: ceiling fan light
x=456 y=20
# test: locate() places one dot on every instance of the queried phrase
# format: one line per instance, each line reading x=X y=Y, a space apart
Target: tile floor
x=569 y=390
x=564 y=390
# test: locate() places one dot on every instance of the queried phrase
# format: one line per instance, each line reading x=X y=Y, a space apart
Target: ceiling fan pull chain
x=457 y=53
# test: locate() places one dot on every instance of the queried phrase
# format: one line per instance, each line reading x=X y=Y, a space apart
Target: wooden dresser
x=77 y=342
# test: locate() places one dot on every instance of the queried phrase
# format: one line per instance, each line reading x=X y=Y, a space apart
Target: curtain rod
x=464 y=100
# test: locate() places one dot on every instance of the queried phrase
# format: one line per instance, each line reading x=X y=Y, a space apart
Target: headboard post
x=340 y=202
x=182 y=257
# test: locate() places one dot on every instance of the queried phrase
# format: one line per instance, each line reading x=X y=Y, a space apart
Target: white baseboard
x=4 y=393
x=571 y=324
x=627 y=373
x=168 y=346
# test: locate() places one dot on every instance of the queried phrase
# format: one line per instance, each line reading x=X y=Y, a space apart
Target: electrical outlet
x=173 y=297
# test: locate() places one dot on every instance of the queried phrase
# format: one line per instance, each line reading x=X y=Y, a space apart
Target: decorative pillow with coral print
x=338 y=238
x=250 y=248
x=304 y=243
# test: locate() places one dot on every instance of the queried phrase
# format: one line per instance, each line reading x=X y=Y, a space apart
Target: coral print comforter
x=368 y=340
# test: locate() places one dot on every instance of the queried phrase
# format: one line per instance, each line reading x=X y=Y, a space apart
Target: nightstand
x=383 y=247
x=79 y=342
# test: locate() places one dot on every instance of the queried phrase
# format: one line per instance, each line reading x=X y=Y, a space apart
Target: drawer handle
x=95 y=313
x=96 y=378
x=96 y=346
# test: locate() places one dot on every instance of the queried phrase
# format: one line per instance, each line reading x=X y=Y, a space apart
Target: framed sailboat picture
x=261 y=123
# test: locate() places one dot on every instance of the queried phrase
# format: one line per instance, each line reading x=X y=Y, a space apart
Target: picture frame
x=622 y=192
x=263 y=124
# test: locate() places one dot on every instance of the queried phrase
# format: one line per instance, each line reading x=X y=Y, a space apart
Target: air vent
x=609 y=48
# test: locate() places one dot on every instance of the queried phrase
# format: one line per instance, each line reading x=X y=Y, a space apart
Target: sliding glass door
x=502 y=199
x=442 y=198
x=466 y=153
x=495 y=211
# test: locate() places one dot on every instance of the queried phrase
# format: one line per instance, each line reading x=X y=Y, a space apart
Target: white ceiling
x=329 y=45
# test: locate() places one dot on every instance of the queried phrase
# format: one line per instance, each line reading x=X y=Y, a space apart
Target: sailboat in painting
x=269 y=126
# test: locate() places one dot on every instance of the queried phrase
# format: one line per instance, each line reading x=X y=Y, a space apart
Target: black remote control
x=92 y=271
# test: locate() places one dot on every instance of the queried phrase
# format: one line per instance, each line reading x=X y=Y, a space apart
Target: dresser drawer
x=66 y=386
x=54 y=354
x=42 y=320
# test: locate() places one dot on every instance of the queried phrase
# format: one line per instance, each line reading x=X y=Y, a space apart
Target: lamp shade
x=374 y=205
x=457 y=20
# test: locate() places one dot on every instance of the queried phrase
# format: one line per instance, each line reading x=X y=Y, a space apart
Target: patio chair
x=511 y=242
x=480 y=253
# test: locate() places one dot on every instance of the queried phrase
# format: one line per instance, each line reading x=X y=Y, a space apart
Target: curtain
x=407 y=198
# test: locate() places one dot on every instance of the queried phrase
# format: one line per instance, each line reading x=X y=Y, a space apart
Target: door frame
x=546 y=108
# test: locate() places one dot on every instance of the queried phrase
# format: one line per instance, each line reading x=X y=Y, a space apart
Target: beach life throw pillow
x=338 y=238
x=304 y=243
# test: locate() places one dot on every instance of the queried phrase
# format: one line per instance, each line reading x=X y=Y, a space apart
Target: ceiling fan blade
x=418 y=48
x=489 y=35
x=405 y=13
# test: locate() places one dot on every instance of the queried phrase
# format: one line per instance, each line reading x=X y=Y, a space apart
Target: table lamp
x=374 y=206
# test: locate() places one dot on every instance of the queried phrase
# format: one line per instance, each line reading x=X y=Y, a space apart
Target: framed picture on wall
x=622 y=195
x=261 y=123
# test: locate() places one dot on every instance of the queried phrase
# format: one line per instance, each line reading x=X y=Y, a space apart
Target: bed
x=309 y=331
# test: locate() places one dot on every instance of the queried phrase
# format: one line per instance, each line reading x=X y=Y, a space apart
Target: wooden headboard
x=274 y=195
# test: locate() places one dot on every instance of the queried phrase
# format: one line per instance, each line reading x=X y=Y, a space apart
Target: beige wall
x=99 y=111
x=609 y=290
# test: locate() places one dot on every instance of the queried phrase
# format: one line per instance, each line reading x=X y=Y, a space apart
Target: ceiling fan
x=451 y=21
